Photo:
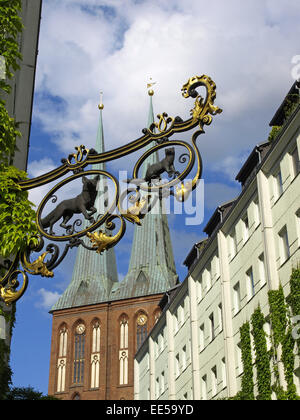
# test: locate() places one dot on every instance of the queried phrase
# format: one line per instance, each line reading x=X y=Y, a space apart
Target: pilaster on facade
x=152 y=369
x=227 y=315
x=171 y=355
x=263 y=188
x=136 y=383
x=192 y=292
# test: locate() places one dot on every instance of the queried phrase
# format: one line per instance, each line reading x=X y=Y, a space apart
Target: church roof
x=151 y=268
x=93 y=274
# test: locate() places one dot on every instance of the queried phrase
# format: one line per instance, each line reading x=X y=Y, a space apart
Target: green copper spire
x=151 y=267
x=93 y=274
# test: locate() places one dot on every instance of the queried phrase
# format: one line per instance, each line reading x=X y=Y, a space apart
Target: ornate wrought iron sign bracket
x=114 y=216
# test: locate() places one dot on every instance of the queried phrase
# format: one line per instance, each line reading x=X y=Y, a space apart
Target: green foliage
x=262 y=357
x=278 y=314
x=274 y=132
x=8 y=136
x=281 y=312
x=247 y=392
x=16 y=215
x=17 y=218
x=294 y=298
x=5 y=370
x=291 y=103
x=282 y=330
x=10 y=27
x=29 y=393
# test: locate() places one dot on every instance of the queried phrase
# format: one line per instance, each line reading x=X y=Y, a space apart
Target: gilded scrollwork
x=37 y=267
x=10 y=283
x=204 y=108
x=163 y=123
x=102 y=241
x=97 y=227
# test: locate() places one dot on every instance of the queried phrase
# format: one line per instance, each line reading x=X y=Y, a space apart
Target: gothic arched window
x=95 y=356
x=123 y=351
x=79 y=350
x=62 y=359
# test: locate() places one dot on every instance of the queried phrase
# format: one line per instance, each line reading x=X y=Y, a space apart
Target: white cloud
x=90 y=45
x=48 y=298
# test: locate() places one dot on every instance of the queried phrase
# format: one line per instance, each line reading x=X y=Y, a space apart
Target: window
x=204 y=387
x=95 y=356
x=284 y=247
x=208 y=278
x=177 y=366
x=124 y=333
x=256 y=216
x=79 y=350
x=245 y=222
x=220 y=316
x=298 y=225
x=236 y=298
x=201 y=337
x=217 y=267
x=161 y=343
x=295 y=160
x=250 y=283
x=199 y=290
x=262 y=269
x=62 y=360
x=123 y=352
x=214 y=380
x=157 y=388
x=63 y=339
x=162 y=382
x=233 y=243
x=175 y=323
x=180 y=315
x=278 y=184
x=184 y=358
x=211 y=327
x=224 y=378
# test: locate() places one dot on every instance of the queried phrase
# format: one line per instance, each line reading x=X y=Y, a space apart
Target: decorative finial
x=149 y=85
x=101 y=106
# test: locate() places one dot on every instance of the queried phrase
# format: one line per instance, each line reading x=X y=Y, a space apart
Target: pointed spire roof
x=151 y=268
x=93 y=274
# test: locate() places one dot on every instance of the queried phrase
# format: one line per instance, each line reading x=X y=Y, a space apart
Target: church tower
x=98 y=322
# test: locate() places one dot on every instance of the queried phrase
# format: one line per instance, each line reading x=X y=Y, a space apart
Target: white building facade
x=193 y=352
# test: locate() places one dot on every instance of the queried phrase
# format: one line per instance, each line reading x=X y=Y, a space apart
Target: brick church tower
x=99 y=323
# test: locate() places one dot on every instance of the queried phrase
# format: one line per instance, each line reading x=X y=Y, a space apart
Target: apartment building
x=252 y=244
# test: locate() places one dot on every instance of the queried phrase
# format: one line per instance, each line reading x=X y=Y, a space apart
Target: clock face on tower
x=142 y=319
x=80 y=329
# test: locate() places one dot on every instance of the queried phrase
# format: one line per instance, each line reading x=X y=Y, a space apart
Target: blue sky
x=116 y=46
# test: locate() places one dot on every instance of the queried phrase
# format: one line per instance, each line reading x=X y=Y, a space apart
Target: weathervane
x=106 y=230
x=149 y=85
